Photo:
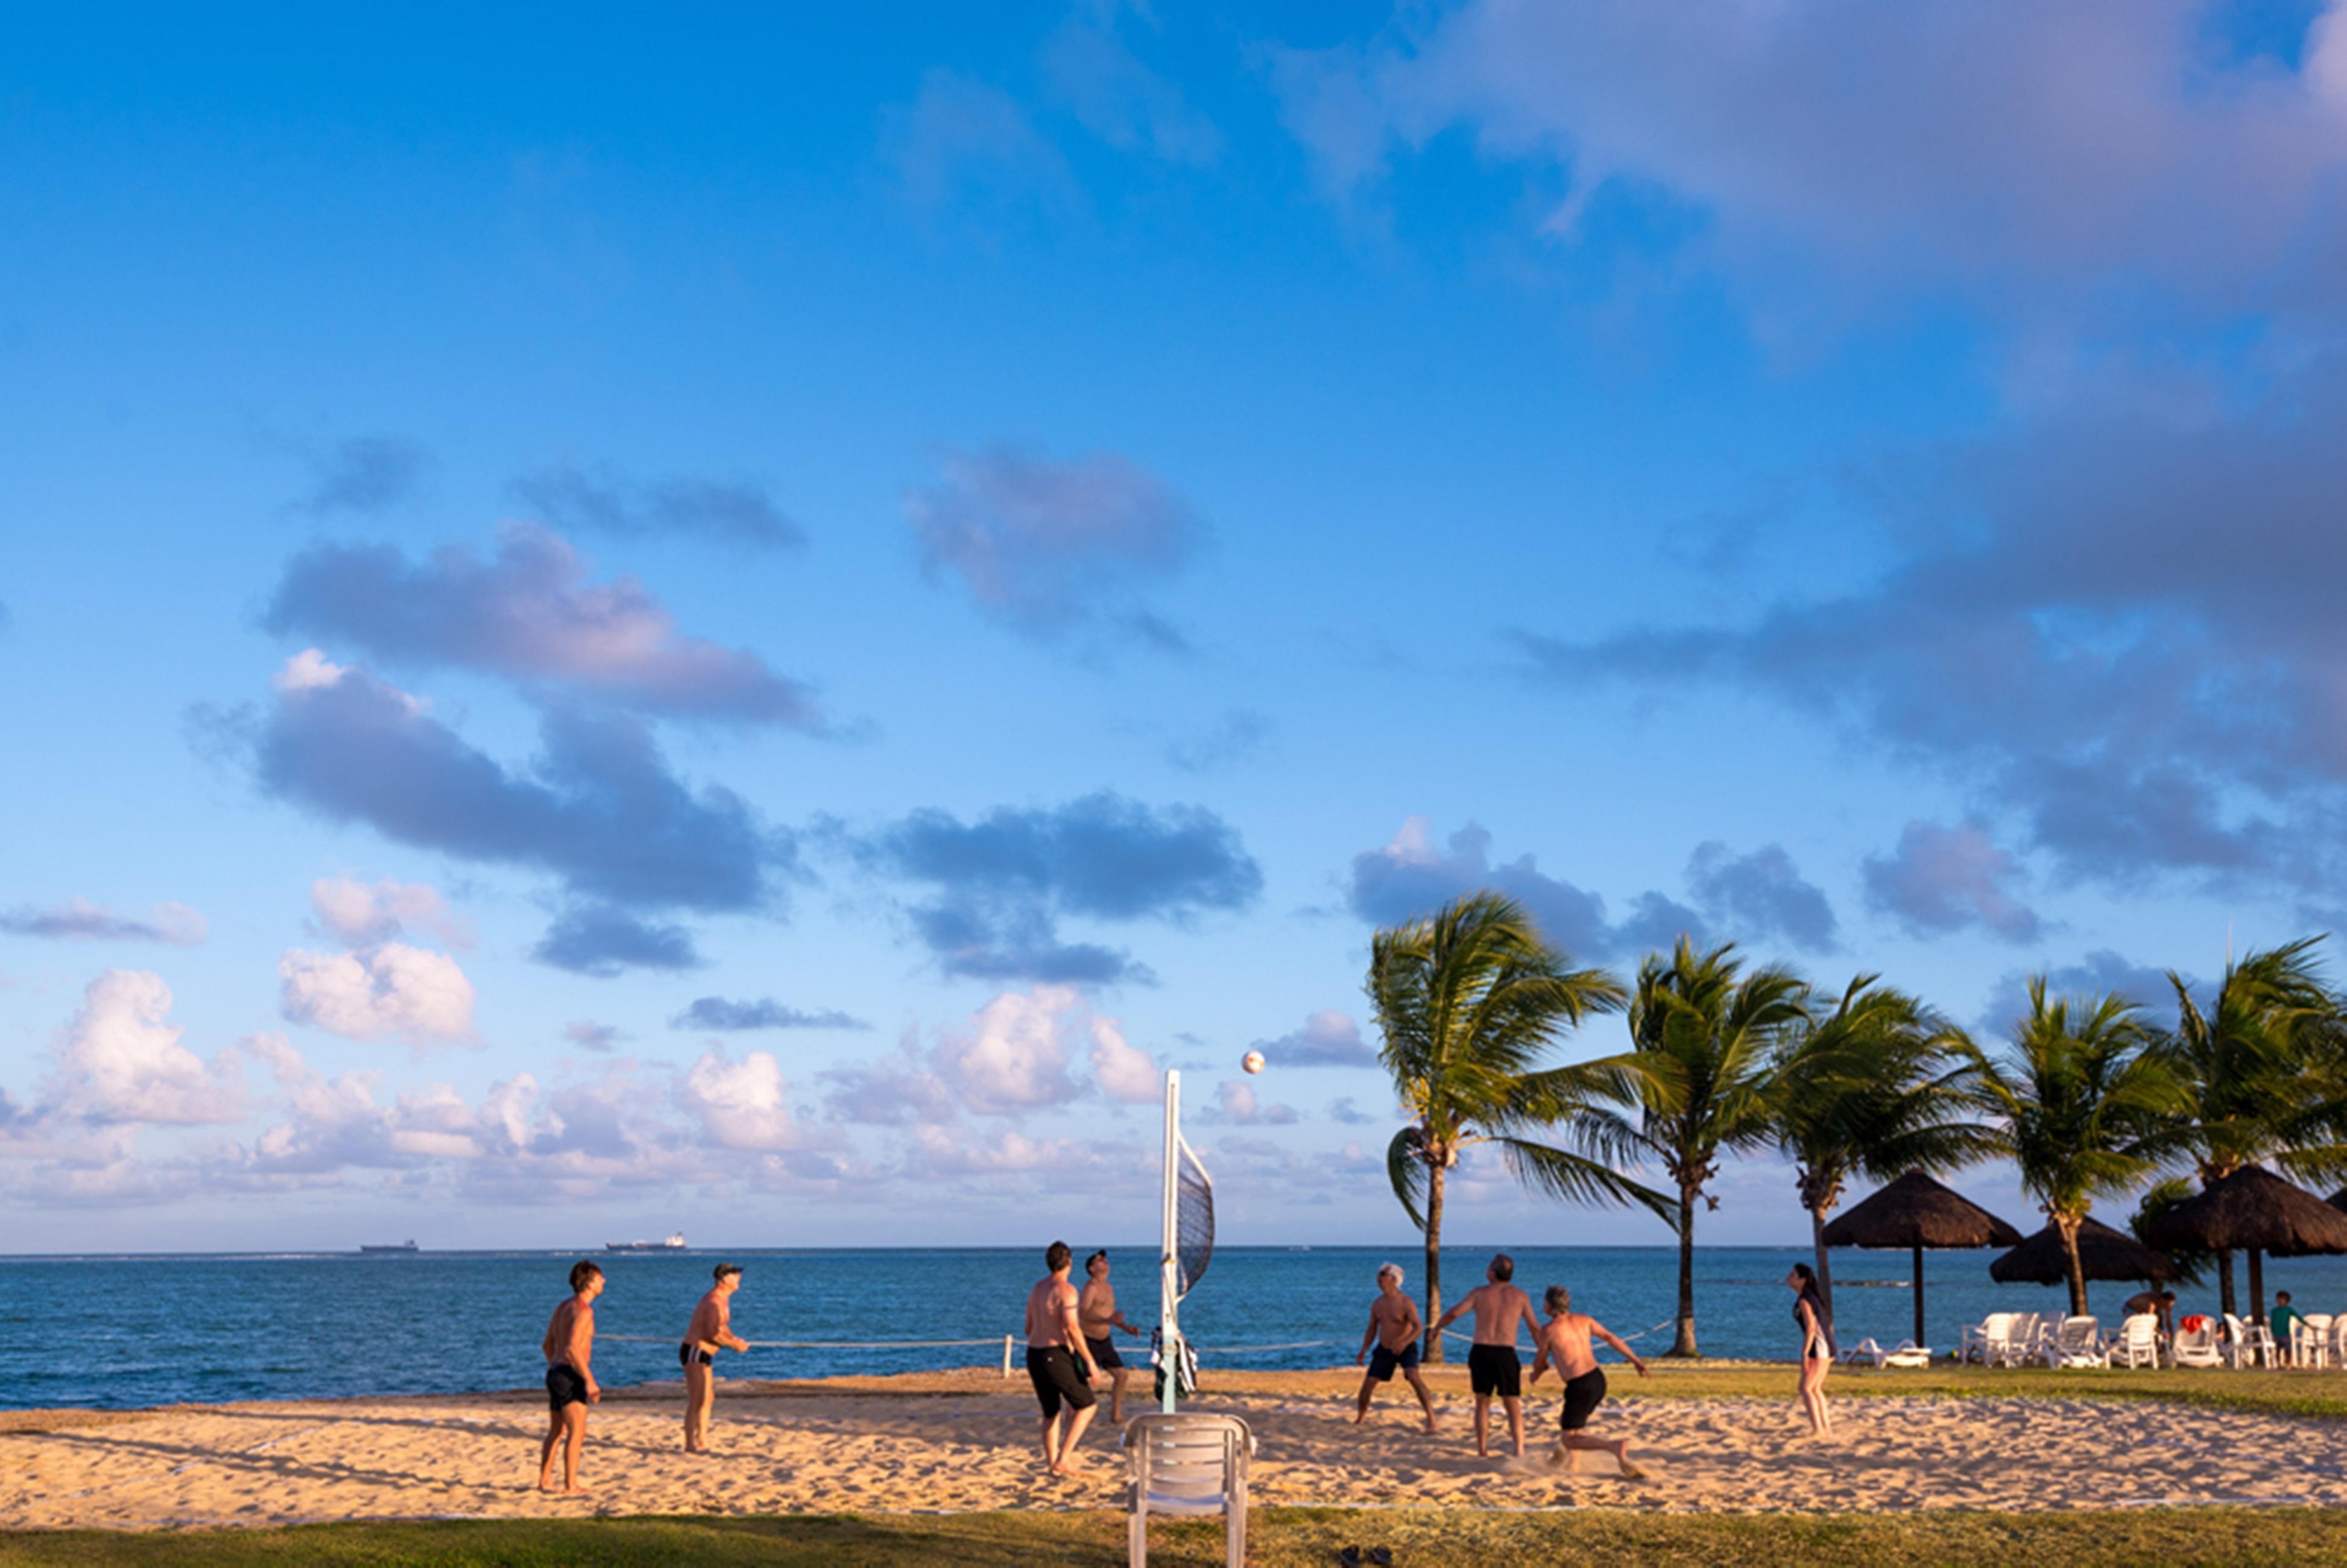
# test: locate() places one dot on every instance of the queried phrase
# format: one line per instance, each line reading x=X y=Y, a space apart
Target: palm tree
x=1703 y=1034
x=2259 y=1065
x=1468 y=1002
x=1880 y=1086
x=2086 y=1106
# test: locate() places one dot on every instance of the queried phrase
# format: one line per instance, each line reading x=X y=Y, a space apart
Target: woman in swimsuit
x=1817 y=1347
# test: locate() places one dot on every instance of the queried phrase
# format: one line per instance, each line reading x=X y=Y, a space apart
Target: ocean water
x=126 y=1331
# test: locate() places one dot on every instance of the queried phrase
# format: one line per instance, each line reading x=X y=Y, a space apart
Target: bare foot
x=1632 y=1473
x=578 y=1492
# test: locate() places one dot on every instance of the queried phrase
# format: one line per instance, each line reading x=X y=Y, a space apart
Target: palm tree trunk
x=2072 y=1266
x=1685 y=1344
x=1824 y=1275
x=1433 y=1264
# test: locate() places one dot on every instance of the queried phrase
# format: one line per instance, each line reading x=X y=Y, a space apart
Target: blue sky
x=748 y=623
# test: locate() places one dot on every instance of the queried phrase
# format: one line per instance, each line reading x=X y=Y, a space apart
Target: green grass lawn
x=1282 y=1537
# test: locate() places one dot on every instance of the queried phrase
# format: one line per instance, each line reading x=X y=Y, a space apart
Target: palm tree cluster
x=2088 y=1097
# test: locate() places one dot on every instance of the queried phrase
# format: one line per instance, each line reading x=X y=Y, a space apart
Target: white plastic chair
x=2197 y=1346
x=2136 y=1344
x=2338 y=1339
x=1909 y=1355
x=2310 y=1340
x=1185 y=1467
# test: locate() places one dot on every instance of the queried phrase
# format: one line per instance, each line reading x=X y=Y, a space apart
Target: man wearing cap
x=712 y=1326
x=1393 y=1331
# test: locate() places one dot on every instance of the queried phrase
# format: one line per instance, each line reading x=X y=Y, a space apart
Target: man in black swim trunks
x=1059 y=1363
x=1096 y=1308
x=1565 y=1340
x=570 y=1388
x=1394 y=1328
x=1501 y=1310
x=712 y=1326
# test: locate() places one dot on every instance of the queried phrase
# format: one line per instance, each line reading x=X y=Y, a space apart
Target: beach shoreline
x=964 y=1440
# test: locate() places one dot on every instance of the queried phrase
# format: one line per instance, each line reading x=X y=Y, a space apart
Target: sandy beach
x=964 y=1440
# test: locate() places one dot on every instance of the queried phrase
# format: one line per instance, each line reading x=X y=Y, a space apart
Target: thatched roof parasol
x=2256 y=1211
x=2106 y=1254
x=1916 y=1211
x=2252 y=1210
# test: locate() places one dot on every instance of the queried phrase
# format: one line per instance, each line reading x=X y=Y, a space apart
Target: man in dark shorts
x=1393 y=1332
x=1096 y=1309
x=1564 y=1341
x=711 y=1328
x=570 y=1388
x=1059 y=1363
x=1501 y=1311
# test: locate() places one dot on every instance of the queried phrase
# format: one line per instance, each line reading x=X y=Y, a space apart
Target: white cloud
x=1122 y=1071
x=394 y=989
x=1235 y=1102
x=740 y=1104
x=362 y=914
x=175 y=925
x=1328 y=1038
x=1015 y=1056
x=120 y=1060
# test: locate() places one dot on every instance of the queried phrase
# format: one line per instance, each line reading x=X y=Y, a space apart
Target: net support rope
x=966 y=1344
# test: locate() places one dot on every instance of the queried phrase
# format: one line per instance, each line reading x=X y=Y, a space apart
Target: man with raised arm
x=1501 y=1311
x=1394 y=1328
x=711 y=1328
x=1059 y=1363
x=570 y=1388
x=1563 y=1339
x=1096 y=1306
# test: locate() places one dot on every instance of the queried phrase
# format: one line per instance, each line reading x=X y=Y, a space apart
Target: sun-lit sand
x=965 y=1440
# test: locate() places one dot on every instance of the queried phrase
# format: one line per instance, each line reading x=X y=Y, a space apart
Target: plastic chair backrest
x=1188 y=1459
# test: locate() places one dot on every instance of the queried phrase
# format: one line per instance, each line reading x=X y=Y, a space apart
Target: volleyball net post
x=1189 y=1246
x=1169 y=1262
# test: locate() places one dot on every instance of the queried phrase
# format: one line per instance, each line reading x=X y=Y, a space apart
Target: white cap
x=1392 y=1269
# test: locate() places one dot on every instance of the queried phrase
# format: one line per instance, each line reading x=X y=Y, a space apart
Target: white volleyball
x=1254 y=1061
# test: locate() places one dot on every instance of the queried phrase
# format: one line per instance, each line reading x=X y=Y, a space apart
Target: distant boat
x=675 y=1243
x=388 y=1246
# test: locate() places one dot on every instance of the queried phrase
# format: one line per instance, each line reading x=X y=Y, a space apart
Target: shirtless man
x=1564 y=1341
x=1394 y=1328
x=1096 y=1308
x=1058 y=1362
x=570 y=1388
x=1500 y=1309
x=712 y=1326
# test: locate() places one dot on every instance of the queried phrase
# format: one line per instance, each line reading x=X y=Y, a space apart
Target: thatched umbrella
x=2104 y=1252
x=2256 y=1211
x=1916 y=1211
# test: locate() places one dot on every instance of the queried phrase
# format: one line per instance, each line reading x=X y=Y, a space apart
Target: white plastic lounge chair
x=1975 y=1340
x=2136 y=1344
x=2073 y=1342
x=2310 y=1340
x=2249 y=1342
x=1909 y=1355
x=1865 y=1353
x=2197 y=1346
x=2022 y=1341
x=1185 y=1467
